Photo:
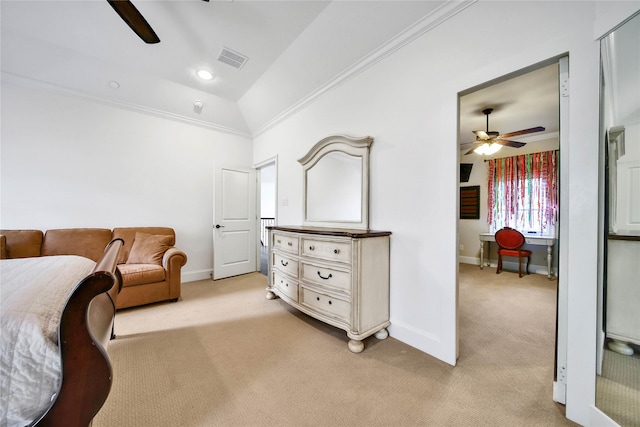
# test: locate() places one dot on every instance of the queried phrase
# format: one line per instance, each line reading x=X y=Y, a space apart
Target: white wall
x=70 y=162
x=408 y=103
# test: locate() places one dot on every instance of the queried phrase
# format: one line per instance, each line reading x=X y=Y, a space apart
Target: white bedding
x=33 y=292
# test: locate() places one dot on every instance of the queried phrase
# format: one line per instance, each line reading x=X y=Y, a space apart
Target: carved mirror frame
x=356 y=147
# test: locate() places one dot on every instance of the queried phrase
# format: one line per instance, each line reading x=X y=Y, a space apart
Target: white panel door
x=234 y=226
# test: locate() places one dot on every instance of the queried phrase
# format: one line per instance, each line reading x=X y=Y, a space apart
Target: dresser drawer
x=325 y=304
x=329 y=250
x=285 y=243
x=284 y=263
x=285 y=285
x=327 y=277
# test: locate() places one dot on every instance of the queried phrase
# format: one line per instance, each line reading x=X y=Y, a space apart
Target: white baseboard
x=559 y=392
x=469 y=260
x=193 y=276
x=419 y=339
x=597 y=418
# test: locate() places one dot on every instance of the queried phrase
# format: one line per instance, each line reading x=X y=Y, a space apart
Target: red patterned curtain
x=523 y=192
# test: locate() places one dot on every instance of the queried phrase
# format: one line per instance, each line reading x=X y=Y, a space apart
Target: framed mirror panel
x=336 y=183
x=618 y=343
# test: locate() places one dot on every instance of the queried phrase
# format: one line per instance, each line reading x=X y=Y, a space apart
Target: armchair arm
x=172 y=261
x=3 y=246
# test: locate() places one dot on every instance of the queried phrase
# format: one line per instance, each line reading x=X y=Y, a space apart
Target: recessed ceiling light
x=205 y=74
x=114 y=84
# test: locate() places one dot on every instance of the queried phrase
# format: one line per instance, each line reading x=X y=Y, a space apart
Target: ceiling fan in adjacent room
x=135 y=20
x=489 y=142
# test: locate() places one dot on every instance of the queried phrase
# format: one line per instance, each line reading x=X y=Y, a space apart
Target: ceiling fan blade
x=469 y=144
x=522 y=132
x=134 y=20
x=507 y=143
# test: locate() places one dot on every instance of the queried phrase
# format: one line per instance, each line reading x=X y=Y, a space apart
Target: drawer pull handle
x=284 y=264
x=311 y=248
x=325 y=278
x=318 y=299
x=279 y=241
x=289 y=243
x=336 y=251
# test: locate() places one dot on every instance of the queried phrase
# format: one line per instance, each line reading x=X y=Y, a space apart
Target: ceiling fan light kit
x=487 y=149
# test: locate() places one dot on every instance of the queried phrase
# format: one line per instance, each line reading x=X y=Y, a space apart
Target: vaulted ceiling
x=293 y=48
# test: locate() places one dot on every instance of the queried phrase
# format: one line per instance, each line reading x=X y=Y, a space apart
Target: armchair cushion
x=149 y=249
x=141 y=274
x=128 y=234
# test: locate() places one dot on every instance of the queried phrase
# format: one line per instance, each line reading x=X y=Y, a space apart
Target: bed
x=56 y=319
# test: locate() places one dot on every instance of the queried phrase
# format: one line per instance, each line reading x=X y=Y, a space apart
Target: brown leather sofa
x=149 y=263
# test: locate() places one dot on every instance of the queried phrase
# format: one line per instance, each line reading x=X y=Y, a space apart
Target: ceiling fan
x=489 y=142
x=135 y=20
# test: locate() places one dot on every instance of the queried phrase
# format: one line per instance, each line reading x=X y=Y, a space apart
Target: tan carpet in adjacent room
x=225 y=356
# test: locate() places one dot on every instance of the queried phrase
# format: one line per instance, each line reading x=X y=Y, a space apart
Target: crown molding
x=422 y=26
x=50 y=87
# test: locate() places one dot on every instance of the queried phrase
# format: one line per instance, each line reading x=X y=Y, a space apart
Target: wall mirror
x=618 y=346
x=336 y=183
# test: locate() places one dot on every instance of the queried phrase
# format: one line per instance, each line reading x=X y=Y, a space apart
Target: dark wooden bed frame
x=86 y=325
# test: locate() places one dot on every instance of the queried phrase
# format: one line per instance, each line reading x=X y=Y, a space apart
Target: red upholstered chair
x=510 y=242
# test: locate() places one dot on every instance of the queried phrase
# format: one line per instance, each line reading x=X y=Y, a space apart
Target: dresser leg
x=382 y=334
x=270 y=295
x=620 y=347
x=356 y=346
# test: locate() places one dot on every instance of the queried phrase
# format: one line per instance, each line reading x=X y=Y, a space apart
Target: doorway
x=523 y=100
x=267 y=208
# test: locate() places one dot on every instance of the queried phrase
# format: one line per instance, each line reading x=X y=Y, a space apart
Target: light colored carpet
x=618 y=388
x=226 y=356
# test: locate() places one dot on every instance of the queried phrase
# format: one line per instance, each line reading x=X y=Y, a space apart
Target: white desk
x=534 y=239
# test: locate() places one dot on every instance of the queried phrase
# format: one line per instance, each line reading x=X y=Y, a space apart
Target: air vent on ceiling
x=232 y=58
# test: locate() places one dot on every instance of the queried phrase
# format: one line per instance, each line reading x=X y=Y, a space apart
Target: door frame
x=271 y=161
x=559 y=378
x=562 y=231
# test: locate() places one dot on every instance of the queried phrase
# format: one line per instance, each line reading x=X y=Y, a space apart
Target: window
x=523 y=193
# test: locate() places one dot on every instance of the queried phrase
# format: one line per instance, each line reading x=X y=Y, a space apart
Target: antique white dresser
x=333 y=267
x=338 y=276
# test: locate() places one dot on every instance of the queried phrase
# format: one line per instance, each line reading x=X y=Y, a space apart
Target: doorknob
x=219 y=226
